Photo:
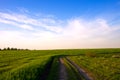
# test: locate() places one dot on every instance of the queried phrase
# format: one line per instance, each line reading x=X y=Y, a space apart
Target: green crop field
x=100 y=64
x=101 y=68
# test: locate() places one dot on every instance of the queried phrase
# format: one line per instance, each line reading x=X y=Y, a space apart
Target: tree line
x=8 y=48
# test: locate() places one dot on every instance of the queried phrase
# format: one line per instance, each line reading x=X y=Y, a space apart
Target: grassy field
x=101 y=67
x=101 y=64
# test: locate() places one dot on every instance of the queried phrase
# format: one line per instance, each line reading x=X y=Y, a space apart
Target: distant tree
x=21 y=49
x=0 y=49
x=15 y=48
x=4 y=49
x=8 y=48
x=26 y=49
x=12 y=48
x=18 y=49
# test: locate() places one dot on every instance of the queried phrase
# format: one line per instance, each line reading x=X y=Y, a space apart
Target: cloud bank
x=37 y=32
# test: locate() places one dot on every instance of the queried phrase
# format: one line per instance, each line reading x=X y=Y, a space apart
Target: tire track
x=63 y=72
x=81 y=71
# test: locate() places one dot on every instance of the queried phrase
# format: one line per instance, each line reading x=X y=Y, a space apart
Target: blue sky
x=65 y=8
x=60 y=24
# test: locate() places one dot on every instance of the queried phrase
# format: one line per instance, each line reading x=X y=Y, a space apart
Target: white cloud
x=19 y=20
x=82 y=28
x=72 y=33
x=26 y=27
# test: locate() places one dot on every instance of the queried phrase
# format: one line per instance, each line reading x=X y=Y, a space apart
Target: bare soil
x=80 y=70
x=63 y=72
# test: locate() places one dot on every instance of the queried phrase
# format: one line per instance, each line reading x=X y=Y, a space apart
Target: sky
x=60 y=24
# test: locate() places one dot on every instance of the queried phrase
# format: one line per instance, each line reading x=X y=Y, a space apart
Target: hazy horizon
x=60 y=24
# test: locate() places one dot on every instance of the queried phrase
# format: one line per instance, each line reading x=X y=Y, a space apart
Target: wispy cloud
x=23 y=10
x=24 y=21
x=47 y=32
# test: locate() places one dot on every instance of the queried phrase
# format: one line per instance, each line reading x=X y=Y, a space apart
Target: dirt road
x=80 y=70
x=63 y=72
